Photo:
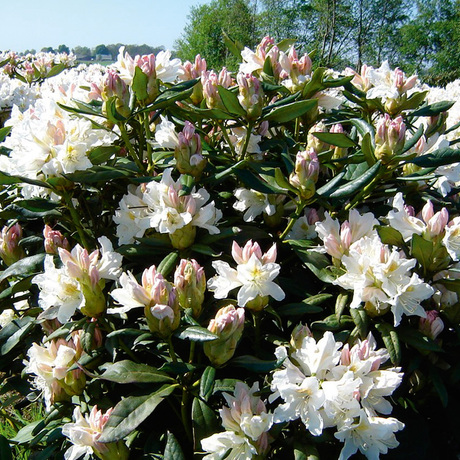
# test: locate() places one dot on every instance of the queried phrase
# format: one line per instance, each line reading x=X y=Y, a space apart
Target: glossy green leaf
x=440 y=157
x=333 y=323
x=416 y=339
x=315 y=84
x=130 y=372
x=139 y=84
x=414 y=139
x=173 y=450
x=103 y=153
x=422 y=250
x=361 y=320
x=130 y=412
x=318 y=263
x=26 y=266
x=413 y=101
x=391 y=341
x=4 y=132
x=204 y=420
x=56 y=69
x=391 y=236
x=195 y=334
x=207 y=382
x=18 y=336
x=331 y=186
x=289 y=112
x=358 y=184
x=230 y=101
x=337 y=139
x=99 y=174
x=253 y=364
x=363 y=127
x=7 y=179
x=439 y=386
x=168 y=264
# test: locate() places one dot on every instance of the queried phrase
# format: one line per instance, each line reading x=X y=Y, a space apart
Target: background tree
x=101 y=49
x=82 y=52
x=204 y=32
x=63 y=49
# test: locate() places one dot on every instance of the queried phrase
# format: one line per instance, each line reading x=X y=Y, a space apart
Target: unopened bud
x=305 y=174
x=228 y=325
x=298 y=335
x=389 y=138
x=189 y=159
x=54 y=239
x=432 y=325
x=251 y=95
x=10 y=251
x=190 y=284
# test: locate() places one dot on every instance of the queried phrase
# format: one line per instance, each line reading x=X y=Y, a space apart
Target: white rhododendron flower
x=337 y=238
x=372 y=436
x=325 y=387
x=84 y=433
x=254 y=274
x=254 y=203
x=381 y=277
x=160 y=205
x=246 y=422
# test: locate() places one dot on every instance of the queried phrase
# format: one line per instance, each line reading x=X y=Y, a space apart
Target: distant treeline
x=421 y=36
x=101 y=52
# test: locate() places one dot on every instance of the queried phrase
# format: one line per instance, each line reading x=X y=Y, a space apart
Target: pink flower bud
x=190 y=284
x=432 y=325
x=389 y=137
x=251 y=95
x=189 y=159
x=305 y=174
x=228 y=324
x=10 y=251
x=54 y=239
x=437 y=223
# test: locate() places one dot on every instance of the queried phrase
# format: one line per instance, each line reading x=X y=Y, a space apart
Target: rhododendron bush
x=252 y=264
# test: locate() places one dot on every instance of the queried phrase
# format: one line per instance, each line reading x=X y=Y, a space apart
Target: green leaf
x=204 y=420
x=18 y=336
x=363 y=127
x=330 y=186
x=315 y=84
x=139 y=85
x=4 y=132
x=5 y=449
x=414 y=139
x=27 y=433
x=391 y=341
x=391 y=236
x=112 y=113
x=253 y=364
x=207 y=382
x=413 y=101
x=56 y=69
x=230 y=101
x=289 y=112
x=416 y=339
x=422 y=250
x=195 y=334
x=333 y=323
x=368 y=149
x=282 y=182
x=130 y=372
x=361 y=320
x=103 y=153
x=7 y=179
x=318 y=263
x=337 y=139
x=205 y=249
x=130 y=412
x=440 y=157
x=439 y=386
x=233 y=46
x=26 y=266
x=173 y=450
x=99 y=174
x=309 y=305
x=168 y=264
x=340 y=304
x=358 y=184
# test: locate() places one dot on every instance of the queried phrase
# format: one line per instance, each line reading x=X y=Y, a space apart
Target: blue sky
x=34 y=24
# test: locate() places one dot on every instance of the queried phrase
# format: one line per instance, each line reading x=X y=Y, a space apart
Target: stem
x=192 y=352
x=257 y=332
x=148 y=135
x=227 y=139
x=130 y=148
x=364 y=192
x=300 y=206
x=246 y=140
x=185 y=415
x=76 y=219
x=172 y=353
